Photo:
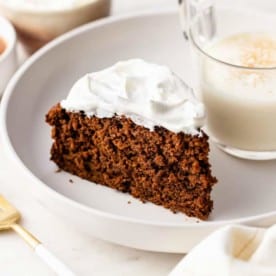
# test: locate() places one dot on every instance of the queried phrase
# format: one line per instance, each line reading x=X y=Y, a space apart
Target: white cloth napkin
x=232 y=250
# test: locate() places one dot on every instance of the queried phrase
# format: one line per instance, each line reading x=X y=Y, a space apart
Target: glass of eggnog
x=234 y=46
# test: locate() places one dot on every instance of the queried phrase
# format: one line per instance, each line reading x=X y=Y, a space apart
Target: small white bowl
x=36 y=26
x=8 y=59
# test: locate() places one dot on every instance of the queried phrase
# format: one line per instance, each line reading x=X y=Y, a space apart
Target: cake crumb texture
x=159 y=166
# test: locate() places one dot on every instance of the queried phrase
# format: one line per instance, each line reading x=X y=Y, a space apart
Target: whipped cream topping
x=149 y=94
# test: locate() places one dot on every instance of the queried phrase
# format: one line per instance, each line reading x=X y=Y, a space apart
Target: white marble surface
x=85 y=256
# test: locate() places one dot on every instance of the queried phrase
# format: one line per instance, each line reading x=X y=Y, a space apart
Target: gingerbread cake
x=135 y=127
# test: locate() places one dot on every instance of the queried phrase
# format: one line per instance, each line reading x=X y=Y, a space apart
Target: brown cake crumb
x=71 y=181
x=159 y=166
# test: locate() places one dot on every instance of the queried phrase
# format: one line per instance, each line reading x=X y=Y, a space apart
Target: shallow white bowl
x=38 y=26
x=246 y=190
x=8 y=59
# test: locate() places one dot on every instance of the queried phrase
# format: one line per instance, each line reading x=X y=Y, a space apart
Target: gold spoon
x=9 y=216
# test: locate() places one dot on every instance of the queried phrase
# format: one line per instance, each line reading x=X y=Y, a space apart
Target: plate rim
x=9 y=149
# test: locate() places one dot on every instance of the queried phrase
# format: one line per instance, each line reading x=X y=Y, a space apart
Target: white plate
x=246 y=190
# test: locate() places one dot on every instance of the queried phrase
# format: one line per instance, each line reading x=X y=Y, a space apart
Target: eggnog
x=238 y=86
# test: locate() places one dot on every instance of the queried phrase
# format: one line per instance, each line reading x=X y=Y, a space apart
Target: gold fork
x=9 y=216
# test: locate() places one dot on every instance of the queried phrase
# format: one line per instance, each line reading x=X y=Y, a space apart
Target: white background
x=85 y=255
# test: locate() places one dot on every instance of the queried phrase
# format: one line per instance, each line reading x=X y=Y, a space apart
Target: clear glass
x=240 y=100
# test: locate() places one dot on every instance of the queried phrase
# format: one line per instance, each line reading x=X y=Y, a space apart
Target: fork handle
x=52 y=261
x=49 y=258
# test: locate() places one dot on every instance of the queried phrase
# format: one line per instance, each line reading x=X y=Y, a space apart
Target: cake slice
x=135 y=127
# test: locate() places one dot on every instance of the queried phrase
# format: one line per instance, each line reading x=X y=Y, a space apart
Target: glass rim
x=199 y=48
